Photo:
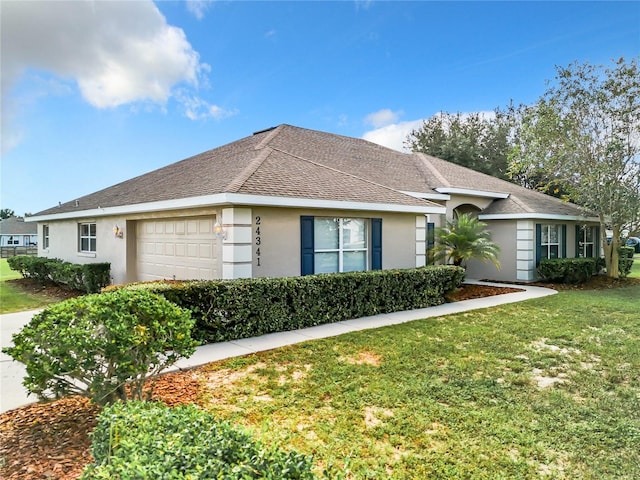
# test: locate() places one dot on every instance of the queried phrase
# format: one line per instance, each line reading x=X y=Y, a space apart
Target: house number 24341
x=258 y=240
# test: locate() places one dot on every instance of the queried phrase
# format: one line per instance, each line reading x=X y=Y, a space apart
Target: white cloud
x=382 y=117
x=394 y=135
x=195 y=108
x=116 y=53
x=198 y=7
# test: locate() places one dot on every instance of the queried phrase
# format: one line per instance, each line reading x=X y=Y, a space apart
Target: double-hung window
x=551 y=241
x=330 y=244
x=587 y=244
x=87 y=237
x=340 y=244
x=45 y=236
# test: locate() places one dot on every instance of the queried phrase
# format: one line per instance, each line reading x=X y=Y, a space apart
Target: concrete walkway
x=14 y=395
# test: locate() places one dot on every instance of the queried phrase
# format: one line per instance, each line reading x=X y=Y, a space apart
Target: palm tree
x=464 y=238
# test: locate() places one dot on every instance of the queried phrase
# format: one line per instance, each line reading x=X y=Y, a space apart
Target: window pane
x=92 y=229
x=545 y=234
x=589 y=234
x=326 y=262
x=84 y=244
x=84 y=229
x=326 y=233
x=589 y=251
x=354 y=233
x=553 y=251
x=553 y=234
x=354 y=261
x=92 y=245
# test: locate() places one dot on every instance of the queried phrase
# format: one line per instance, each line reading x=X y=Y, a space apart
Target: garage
x=176 y=249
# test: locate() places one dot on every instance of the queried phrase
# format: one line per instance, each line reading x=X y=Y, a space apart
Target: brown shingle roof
x=289 y=161
x=17 y=226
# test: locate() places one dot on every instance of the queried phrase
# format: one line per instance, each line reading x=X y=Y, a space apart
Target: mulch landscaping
x=52 y=440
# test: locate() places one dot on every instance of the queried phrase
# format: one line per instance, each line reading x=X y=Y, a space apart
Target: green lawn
x=12 y=298
x=548 y=388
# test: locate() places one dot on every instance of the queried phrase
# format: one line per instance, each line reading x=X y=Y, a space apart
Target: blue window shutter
x=538 y=243
x=376 y=244
x=563 y=245
x=596 y=242
x=577 y=252
x=306 y=246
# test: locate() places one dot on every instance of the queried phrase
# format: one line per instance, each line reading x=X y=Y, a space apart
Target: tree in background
x=476 y=141
x=6 y=213
x=465 y=238
x=585 y=133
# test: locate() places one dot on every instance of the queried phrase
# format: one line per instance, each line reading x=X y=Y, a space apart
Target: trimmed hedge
x=232 y=309
x=90 y=277
x=567 y=270
x=146 y=440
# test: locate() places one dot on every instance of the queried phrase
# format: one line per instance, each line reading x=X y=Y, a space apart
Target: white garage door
x=176 y=248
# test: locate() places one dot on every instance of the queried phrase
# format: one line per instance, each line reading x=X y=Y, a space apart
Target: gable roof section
x=520 y=203
x=263 y=165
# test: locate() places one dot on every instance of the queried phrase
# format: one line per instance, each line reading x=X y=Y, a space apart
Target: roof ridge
x=238 y=181
x=352 y=176
x=431 y=168
x=270 y=133
x=520 y=203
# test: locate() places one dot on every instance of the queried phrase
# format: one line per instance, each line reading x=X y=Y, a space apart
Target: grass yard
x=546 y=388
x=15 y=299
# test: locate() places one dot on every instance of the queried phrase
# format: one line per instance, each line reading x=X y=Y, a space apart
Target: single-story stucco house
x=289 y=201
x=15 y=232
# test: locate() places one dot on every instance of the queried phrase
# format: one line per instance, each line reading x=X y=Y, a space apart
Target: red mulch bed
x=51 y=440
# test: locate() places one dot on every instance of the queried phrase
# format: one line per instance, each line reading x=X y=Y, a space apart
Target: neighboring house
x=15 y=232
x=290 y=201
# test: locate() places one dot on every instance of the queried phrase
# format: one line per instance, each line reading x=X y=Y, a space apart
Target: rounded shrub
x=146 y=440
x=103 y=346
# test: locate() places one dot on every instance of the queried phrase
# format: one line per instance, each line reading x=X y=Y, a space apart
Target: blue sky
x=94 y=93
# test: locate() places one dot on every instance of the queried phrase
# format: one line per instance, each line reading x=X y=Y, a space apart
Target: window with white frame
x=586 y=241
x=87 y=237
x=550 y=241
x=340 y=244
x=45 y=236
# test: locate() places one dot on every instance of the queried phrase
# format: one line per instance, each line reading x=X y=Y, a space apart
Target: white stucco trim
x=427 y=196
x=472 y=192
x=236 y=199
x=537 y=216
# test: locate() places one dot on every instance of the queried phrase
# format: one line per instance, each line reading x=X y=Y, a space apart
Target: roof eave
x=471 y=192
x=536 y=216
x=238 y=199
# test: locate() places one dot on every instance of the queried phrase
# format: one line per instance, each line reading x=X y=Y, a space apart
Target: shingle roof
x=289 y=161
x=17 y=226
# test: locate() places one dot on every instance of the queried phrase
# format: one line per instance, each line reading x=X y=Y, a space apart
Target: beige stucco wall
x=63 y=244
x=278 y=235
x=457 y=200
x=279 y=238
x=120 y=252
x=503 y=233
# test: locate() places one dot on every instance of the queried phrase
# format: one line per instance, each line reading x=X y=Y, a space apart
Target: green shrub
x=143 y=440
x=88 y=278
x=228 y=310
x=567 y=270
x=625 y=260
x=96 y=344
